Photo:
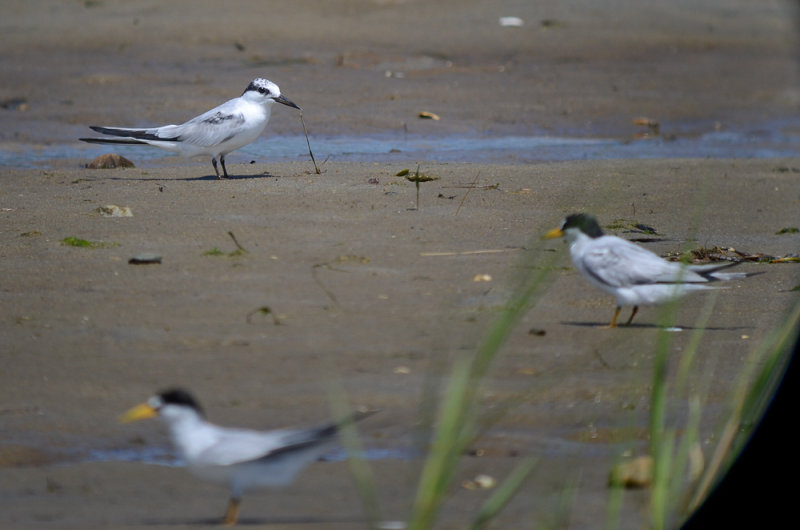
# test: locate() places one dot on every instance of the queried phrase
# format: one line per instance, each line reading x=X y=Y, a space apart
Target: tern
x=219 y=131
x=241 y=458
x=632 y=274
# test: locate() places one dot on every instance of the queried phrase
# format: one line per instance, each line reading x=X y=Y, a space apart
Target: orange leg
x=635 y=309
x=232 y=514
x=614 y=320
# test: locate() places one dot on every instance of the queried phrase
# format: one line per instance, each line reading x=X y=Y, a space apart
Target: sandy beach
x=279 y=283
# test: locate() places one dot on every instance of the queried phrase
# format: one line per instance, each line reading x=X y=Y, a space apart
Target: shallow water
x=165 y=456
x=769 y=140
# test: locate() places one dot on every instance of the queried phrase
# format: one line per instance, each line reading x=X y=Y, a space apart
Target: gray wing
x=236 y=446
x=620 y=263
x=210 y=128
x=206 y=130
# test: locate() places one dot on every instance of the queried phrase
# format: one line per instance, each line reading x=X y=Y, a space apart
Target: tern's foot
x=633 y=314
x=232 y=514
x=613 y=323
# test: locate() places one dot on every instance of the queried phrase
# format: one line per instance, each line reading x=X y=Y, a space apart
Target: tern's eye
x=263 y=90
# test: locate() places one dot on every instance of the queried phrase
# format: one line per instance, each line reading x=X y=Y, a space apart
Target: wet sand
x=361 y=286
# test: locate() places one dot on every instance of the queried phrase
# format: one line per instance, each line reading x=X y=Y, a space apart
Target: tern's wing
x=213 y=127
x=237 y=446
x=619 y=263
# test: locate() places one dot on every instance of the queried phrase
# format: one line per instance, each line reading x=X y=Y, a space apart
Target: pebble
x=109 y=161
x=145 y=258
x=112 y=210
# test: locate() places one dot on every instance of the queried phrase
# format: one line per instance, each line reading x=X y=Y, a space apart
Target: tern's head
x=266 y=92
x=169 y=404
x=576 y=224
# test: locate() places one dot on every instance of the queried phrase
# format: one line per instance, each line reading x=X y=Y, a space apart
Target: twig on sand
x=235 y=242
x=321 y=285
x=469 y=252
x=309 y=144
x=469 y=189
x=263 y=311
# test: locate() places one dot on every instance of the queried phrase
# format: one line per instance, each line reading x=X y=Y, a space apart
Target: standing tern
x=633 y=275
x=219 y=131
x=241 y=458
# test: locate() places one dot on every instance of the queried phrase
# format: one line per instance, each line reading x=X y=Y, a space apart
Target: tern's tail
x=300 y=438
x=727 y=276
x=710 y=271
x=131 y=136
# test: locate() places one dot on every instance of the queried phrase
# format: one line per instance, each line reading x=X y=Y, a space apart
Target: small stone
x=145 y=258
x=646 y=122
x=485 y=481
x=480 y=482
x=636 y=473
x=112 y=210
x=19 y=104
x=425 y=115
x=109 y=161
x=511 y=22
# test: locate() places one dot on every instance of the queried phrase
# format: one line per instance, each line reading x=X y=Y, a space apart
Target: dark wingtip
x=113 y=131
x=138 y=134
x=118 y=141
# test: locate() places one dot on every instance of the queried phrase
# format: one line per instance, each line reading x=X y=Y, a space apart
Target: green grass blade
x=457 y=410
x=448 y=446
x=350 y=440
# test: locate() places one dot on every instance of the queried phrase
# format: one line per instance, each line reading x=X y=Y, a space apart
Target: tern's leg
x=633 y=313
x=214 y=163
x=616 y=316
x=232 y=514
x=222 y=161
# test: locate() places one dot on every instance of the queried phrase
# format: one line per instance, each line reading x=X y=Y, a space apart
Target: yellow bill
x=139 y=412
x=554 y=233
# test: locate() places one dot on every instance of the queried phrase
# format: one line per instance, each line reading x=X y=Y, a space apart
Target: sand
x=342 y=277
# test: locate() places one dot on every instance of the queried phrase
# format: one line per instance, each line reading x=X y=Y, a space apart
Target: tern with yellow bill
x=632 y=274
x=240 y=458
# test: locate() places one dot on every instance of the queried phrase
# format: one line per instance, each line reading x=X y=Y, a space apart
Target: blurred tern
x=633 y=275
x=241 y=458
x=219 y=131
